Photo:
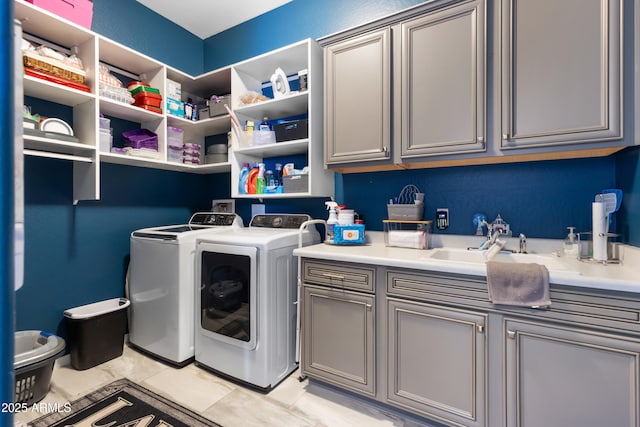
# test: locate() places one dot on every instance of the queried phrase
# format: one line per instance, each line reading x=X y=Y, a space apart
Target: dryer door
x=226 y=300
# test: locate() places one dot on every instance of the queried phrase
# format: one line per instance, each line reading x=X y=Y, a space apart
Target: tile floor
x=290 y=404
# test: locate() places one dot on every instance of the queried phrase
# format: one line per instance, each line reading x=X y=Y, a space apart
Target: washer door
x=226 y=304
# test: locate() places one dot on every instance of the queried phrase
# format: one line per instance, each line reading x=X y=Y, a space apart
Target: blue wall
x=294 y=21
x=539 y=199
x=77 y=255
x=7 y=384
x=138 y=27
x=628 y=179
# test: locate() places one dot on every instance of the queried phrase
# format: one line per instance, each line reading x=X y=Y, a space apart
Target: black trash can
x=96 y=332
x=35 y=355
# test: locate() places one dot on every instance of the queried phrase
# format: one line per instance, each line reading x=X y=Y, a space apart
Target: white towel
x=523 y=284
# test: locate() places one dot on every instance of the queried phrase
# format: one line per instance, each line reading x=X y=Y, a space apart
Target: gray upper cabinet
x=560 y=376
x=442 y=84
x=358 y=98
x=561 y=72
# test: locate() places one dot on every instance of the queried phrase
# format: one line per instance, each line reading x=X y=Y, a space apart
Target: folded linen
x=521 y=284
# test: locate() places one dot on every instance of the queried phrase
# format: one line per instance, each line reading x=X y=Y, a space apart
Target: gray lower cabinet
x=338 y=338
x=338 y=324
x=566 y=377
x=561 y=72
x=357 y=107
x=436 y=362
x=442 y=81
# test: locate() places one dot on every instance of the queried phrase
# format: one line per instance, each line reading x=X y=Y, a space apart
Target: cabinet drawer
x=614 y=311
x=339 y=274
x=438 y=287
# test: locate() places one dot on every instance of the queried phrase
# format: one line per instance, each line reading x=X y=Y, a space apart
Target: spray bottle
x=260 y=180
x=333 y=220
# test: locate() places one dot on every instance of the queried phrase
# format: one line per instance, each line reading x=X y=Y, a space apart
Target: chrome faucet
x=523 y=244
x=492 y=236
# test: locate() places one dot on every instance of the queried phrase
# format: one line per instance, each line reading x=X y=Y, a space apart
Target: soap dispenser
x=570 y=243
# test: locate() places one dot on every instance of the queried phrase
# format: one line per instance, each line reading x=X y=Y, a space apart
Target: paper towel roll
x=599 y=228
x=407 y=239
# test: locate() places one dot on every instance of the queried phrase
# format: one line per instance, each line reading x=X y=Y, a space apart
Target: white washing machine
x=161 y=285
x=246 y=299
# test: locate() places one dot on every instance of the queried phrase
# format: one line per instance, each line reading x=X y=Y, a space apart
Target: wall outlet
x=442 y=218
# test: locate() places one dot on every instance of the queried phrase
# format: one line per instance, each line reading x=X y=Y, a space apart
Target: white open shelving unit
x=248 y=76
x=236 y=79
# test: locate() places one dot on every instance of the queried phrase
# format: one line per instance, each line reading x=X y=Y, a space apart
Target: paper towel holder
x=407 y=233
x=585 y=245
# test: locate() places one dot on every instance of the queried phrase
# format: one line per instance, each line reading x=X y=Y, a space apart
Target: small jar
x=346 y=216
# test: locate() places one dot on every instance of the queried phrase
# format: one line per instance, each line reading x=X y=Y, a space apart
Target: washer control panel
x=279 y=220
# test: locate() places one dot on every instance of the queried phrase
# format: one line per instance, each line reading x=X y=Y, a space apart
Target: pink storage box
x=78 y=11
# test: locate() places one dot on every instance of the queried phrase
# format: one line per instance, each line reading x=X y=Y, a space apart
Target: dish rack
x=410 y=205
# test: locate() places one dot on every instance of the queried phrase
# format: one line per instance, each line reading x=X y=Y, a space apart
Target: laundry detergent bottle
x=242 y=182
x=331 y=222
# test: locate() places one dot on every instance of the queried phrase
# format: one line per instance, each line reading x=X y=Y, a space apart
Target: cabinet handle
x=369 y=307
x=505 y=136
x=511 y=335
x=480 y=328
x=481 y=139
x=333 y=276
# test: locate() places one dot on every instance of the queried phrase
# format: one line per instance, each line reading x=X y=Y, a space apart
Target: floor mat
x=124 y=403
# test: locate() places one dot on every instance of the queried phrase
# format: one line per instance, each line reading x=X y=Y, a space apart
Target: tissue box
x=352 y=234
x=175 y=107
x=407 y=234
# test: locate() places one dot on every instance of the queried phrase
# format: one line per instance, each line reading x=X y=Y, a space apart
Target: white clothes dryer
x=161 y=285
x=246 y=311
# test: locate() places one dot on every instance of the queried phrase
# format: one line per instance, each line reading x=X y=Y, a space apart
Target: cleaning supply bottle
x=277 y=177
x=570 y=243
x=244 y=174
x=332 y=221
x=264 y=125
x=260 y=180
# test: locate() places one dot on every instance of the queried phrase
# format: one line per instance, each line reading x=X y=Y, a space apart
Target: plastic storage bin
x=106 y=140
x=412 y=212
x=140 y=138
x=175 y=134
x=35 y=355
x=295 y=183
x=78 y=11
x=263 y=137
x=96 y=332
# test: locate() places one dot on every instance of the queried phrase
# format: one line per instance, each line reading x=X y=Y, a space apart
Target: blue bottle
x=244 y=174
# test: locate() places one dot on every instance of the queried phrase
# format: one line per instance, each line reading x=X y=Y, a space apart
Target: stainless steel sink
x=471 y=256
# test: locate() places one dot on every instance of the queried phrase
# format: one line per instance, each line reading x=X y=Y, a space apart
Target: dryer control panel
x=210 y=218
x=279 y=220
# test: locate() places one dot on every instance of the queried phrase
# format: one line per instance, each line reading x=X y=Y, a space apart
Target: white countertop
x=624 y=276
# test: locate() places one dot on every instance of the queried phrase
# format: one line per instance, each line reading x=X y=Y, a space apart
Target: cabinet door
x=561 y=72
x=358 y=99
x=567 y=377
x=338 y=338
x=436 y=362
x=443 y=73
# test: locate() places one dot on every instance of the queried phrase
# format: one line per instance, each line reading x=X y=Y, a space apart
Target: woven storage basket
x=40 y=63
